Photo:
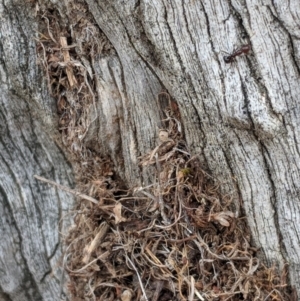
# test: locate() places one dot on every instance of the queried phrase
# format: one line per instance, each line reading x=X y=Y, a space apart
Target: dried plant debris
x=176 y=239
x=67 y=54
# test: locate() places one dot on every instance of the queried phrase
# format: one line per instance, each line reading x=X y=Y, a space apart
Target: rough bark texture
x=242 y=119
x=33 y=215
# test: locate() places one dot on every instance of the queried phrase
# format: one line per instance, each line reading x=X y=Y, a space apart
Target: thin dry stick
x=49 y=31
x=199 y=295
x=180 y=209
x=102 y=256
x=175 y=222
x=91 y=290
x=160 y=199
x=71 y=78
x=64 y=188
x=192 y=288
x=139 y=278
x=202 y=243
x=194 y=291
x=149 y=228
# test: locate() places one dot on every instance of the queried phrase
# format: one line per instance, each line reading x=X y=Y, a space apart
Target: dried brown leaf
x=118 y=214
x=222 y=217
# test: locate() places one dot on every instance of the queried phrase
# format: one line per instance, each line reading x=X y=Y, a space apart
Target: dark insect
x=242 y=50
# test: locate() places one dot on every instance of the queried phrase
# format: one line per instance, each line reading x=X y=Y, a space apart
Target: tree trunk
x=240 y=118
x=33 y=216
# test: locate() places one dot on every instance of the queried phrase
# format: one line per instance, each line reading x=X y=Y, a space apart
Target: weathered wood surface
x=241 y=119
x=34 y=216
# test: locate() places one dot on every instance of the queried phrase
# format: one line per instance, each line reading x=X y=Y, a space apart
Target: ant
x=242 y=50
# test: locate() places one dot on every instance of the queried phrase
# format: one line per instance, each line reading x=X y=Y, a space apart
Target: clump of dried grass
x=176 y=239
x=67 y=54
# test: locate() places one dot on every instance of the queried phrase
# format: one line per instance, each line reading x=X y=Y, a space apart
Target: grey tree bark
x=241 y=119
x=33 y=215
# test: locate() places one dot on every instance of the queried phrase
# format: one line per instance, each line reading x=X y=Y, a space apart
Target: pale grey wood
x=121 y=108
x=34 y=216
x=241 y=119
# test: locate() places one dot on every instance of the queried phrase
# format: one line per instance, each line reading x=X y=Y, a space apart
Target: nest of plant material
x=175 y=239
x=67 y=50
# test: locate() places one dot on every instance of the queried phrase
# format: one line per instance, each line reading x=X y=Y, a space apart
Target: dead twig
x=139 y=277
x=160 y=199
x=64 y=188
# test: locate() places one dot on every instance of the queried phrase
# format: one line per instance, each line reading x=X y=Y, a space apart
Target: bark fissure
x=26 y=273
x=4 y=296
x=229 y=165
x=247 y=102
x=273 y=199
x=173 y=41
